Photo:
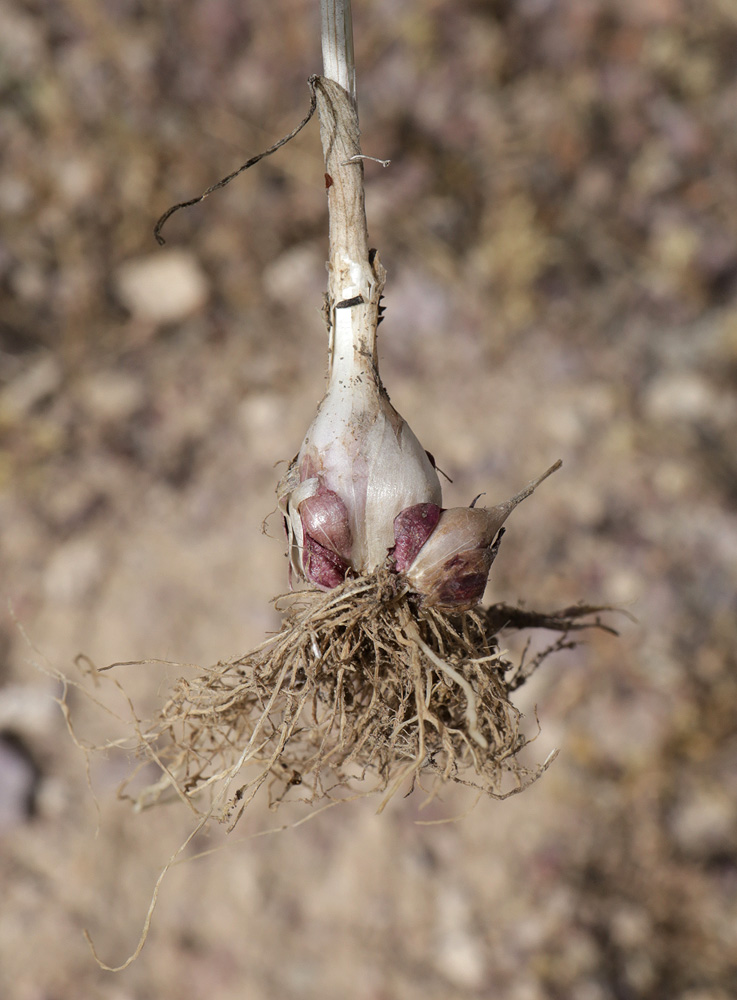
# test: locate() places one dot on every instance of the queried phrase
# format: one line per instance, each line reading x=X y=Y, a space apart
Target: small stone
x=75 y=569
x=459 y=954
x=679 y=396
x=16 y=194
x=298 y=274
x=630 y=927
x=29 y=282
x=77 y=178
x=113 y=397
x=27 y=709
x=30 y=387
x=589 y=990
x=164 y=287
x=705 y=822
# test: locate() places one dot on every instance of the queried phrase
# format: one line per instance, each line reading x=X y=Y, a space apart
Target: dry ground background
x=559 y=224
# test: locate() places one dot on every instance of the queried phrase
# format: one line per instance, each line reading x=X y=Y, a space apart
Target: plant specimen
x=386 y=672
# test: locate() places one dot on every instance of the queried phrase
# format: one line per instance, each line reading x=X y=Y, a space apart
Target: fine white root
x=471 y=714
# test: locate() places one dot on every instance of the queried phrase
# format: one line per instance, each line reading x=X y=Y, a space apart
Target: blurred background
x=559 y=226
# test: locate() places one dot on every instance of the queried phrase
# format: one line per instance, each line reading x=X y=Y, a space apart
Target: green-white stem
x=360 y=465
x=352 y=278
x=337 y=44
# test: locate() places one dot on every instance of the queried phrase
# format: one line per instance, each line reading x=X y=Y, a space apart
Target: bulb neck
x=353 y=344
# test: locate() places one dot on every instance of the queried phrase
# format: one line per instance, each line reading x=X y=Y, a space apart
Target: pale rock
x=672 y=478
x=565 y=428
x=30 y=387
x=706 y=994
x=113 y=396
x=459 y=956
x=525 y=989
x=631 y=927
x=297 y=275
x=705 y=822
x=23 y=48
x=639 y=970
x=77 y=177
x=625 y=586
x=53 y=798
x=16 y=194
x=74 y=570
x=27 y=709
x=29 y=283
x=260 y=416
x=164 y=287
x=589 y=990
x=679 y=396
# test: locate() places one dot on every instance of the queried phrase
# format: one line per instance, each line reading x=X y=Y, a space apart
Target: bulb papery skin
x=362 y=451
x=358 y=468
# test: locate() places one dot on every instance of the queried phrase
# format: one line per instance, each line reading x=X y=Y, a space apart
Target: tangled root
x=359 y=683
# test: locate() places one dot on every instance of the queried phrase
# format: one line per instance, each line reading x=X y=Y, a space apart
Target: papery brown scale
x=461 y=581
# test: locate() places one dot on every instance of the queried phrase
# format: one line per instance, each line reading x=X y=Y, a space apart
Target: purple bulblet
x=325 y=520
x=412 y=528
x=324 y=535
x=321 y=566
x=451 y=568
